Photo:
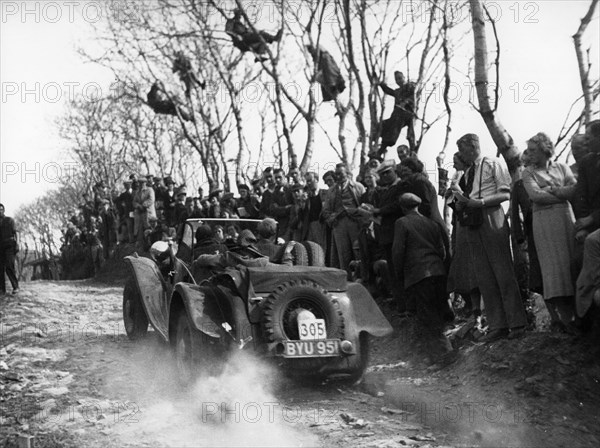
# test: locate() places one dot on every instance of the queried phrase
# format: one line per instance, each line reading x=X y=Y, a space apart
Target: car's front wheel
x=134 y=316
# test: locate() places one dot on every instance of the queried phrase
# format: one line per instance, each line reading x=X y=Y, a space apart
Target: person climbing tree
x=162 y=104
x=328 y=73
x=402 y=116
x=183 y=66
x=245 y=39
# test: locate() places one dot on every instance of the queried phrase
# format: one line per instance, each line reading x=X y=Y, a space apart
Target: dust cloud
x=236 y=408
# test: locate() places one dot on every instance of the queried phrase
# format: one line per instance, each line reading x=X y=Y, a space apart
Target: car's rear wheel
x=195 y=353
x=134 y=316
x=187 y=344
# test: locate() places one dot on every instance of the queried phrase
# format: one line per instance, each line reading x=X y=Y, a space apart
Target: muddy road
x=70 y=377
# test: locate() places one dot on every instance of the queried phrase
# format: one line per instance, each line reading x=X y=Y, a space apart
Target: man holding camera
x=487 y=187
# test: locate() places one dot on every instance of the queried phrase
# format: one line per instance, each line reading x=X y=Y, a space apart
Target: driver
x=245 y=253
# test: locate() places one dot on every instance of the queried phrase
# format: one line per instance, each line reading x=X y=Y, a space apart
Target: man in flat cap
x=487 y=186
x=419 y=263
x=388 y=209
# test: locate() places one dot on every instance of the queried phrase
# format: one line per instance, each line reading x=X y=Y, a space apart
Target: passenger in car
x=206 y=243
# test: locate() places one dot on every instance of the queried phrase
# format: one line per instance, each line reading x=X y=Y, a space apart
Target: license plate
x=310 y=349
x=310 y=329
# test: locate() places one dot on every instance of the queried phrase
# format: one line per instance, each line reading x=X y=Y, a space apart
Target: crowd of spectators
x=386 y=230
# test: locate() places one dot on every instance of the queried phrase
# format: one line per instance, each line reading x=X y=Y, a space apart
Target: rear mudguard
x=152 y=291
x=361 y=313
x=210 y=308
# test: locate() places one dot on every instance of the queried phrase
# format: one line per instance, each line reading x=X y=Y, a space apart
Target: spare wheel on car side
x=316 y=254
x=134 y=316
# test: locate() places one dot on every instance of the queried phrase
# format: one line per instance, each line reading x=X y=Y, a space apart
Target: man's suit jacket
x=587 y=192
x=418 y=249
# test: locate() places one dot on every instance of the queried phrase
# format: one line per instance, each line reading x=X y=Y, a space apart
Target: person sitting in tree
x=162 y=104
x=328 y=73
x=402 y=116
x=183 y=66
x=245 y=39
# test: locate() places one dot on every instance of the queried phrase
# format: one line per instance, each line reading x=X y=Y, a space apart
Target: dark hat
x=256 y=181
x=133 y=176
x=388 y=164
x=243 y=187
x=204 y=232
x=409 y=200
x=215 y=193
x=169 y=180
x=181 y=190
x=149 y=176
x=246 y=238
x=156 y=179
x=127 y=182
x=227 y=196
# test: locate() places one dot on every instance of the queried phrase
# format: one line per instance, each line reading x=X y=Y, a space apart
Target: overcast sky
x=40 y=69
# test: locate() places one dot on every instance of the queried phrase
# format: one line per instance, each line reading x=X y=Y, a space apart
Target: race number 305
x=312 y=329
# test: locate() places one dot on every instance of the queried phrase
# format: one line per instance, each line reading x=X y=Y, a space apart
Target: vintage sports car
x=308 y=319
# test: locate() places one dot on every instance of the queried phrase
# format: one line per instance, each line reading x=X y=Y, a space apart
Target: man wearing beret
x=419 y=263
x=487 y=187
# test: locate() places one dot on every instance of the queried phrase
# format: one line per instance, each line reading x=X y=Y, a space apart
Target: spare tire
x=316 y=254
x=282 y=306
x=299 y=255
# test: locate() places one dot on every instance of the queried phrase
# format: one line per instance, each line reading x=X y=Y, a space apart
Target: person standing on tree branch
x=8 y=250
x=402 y=116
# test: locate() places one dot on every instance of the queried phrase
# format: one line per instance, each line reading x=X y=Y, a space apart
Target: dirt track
x=70 y=377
